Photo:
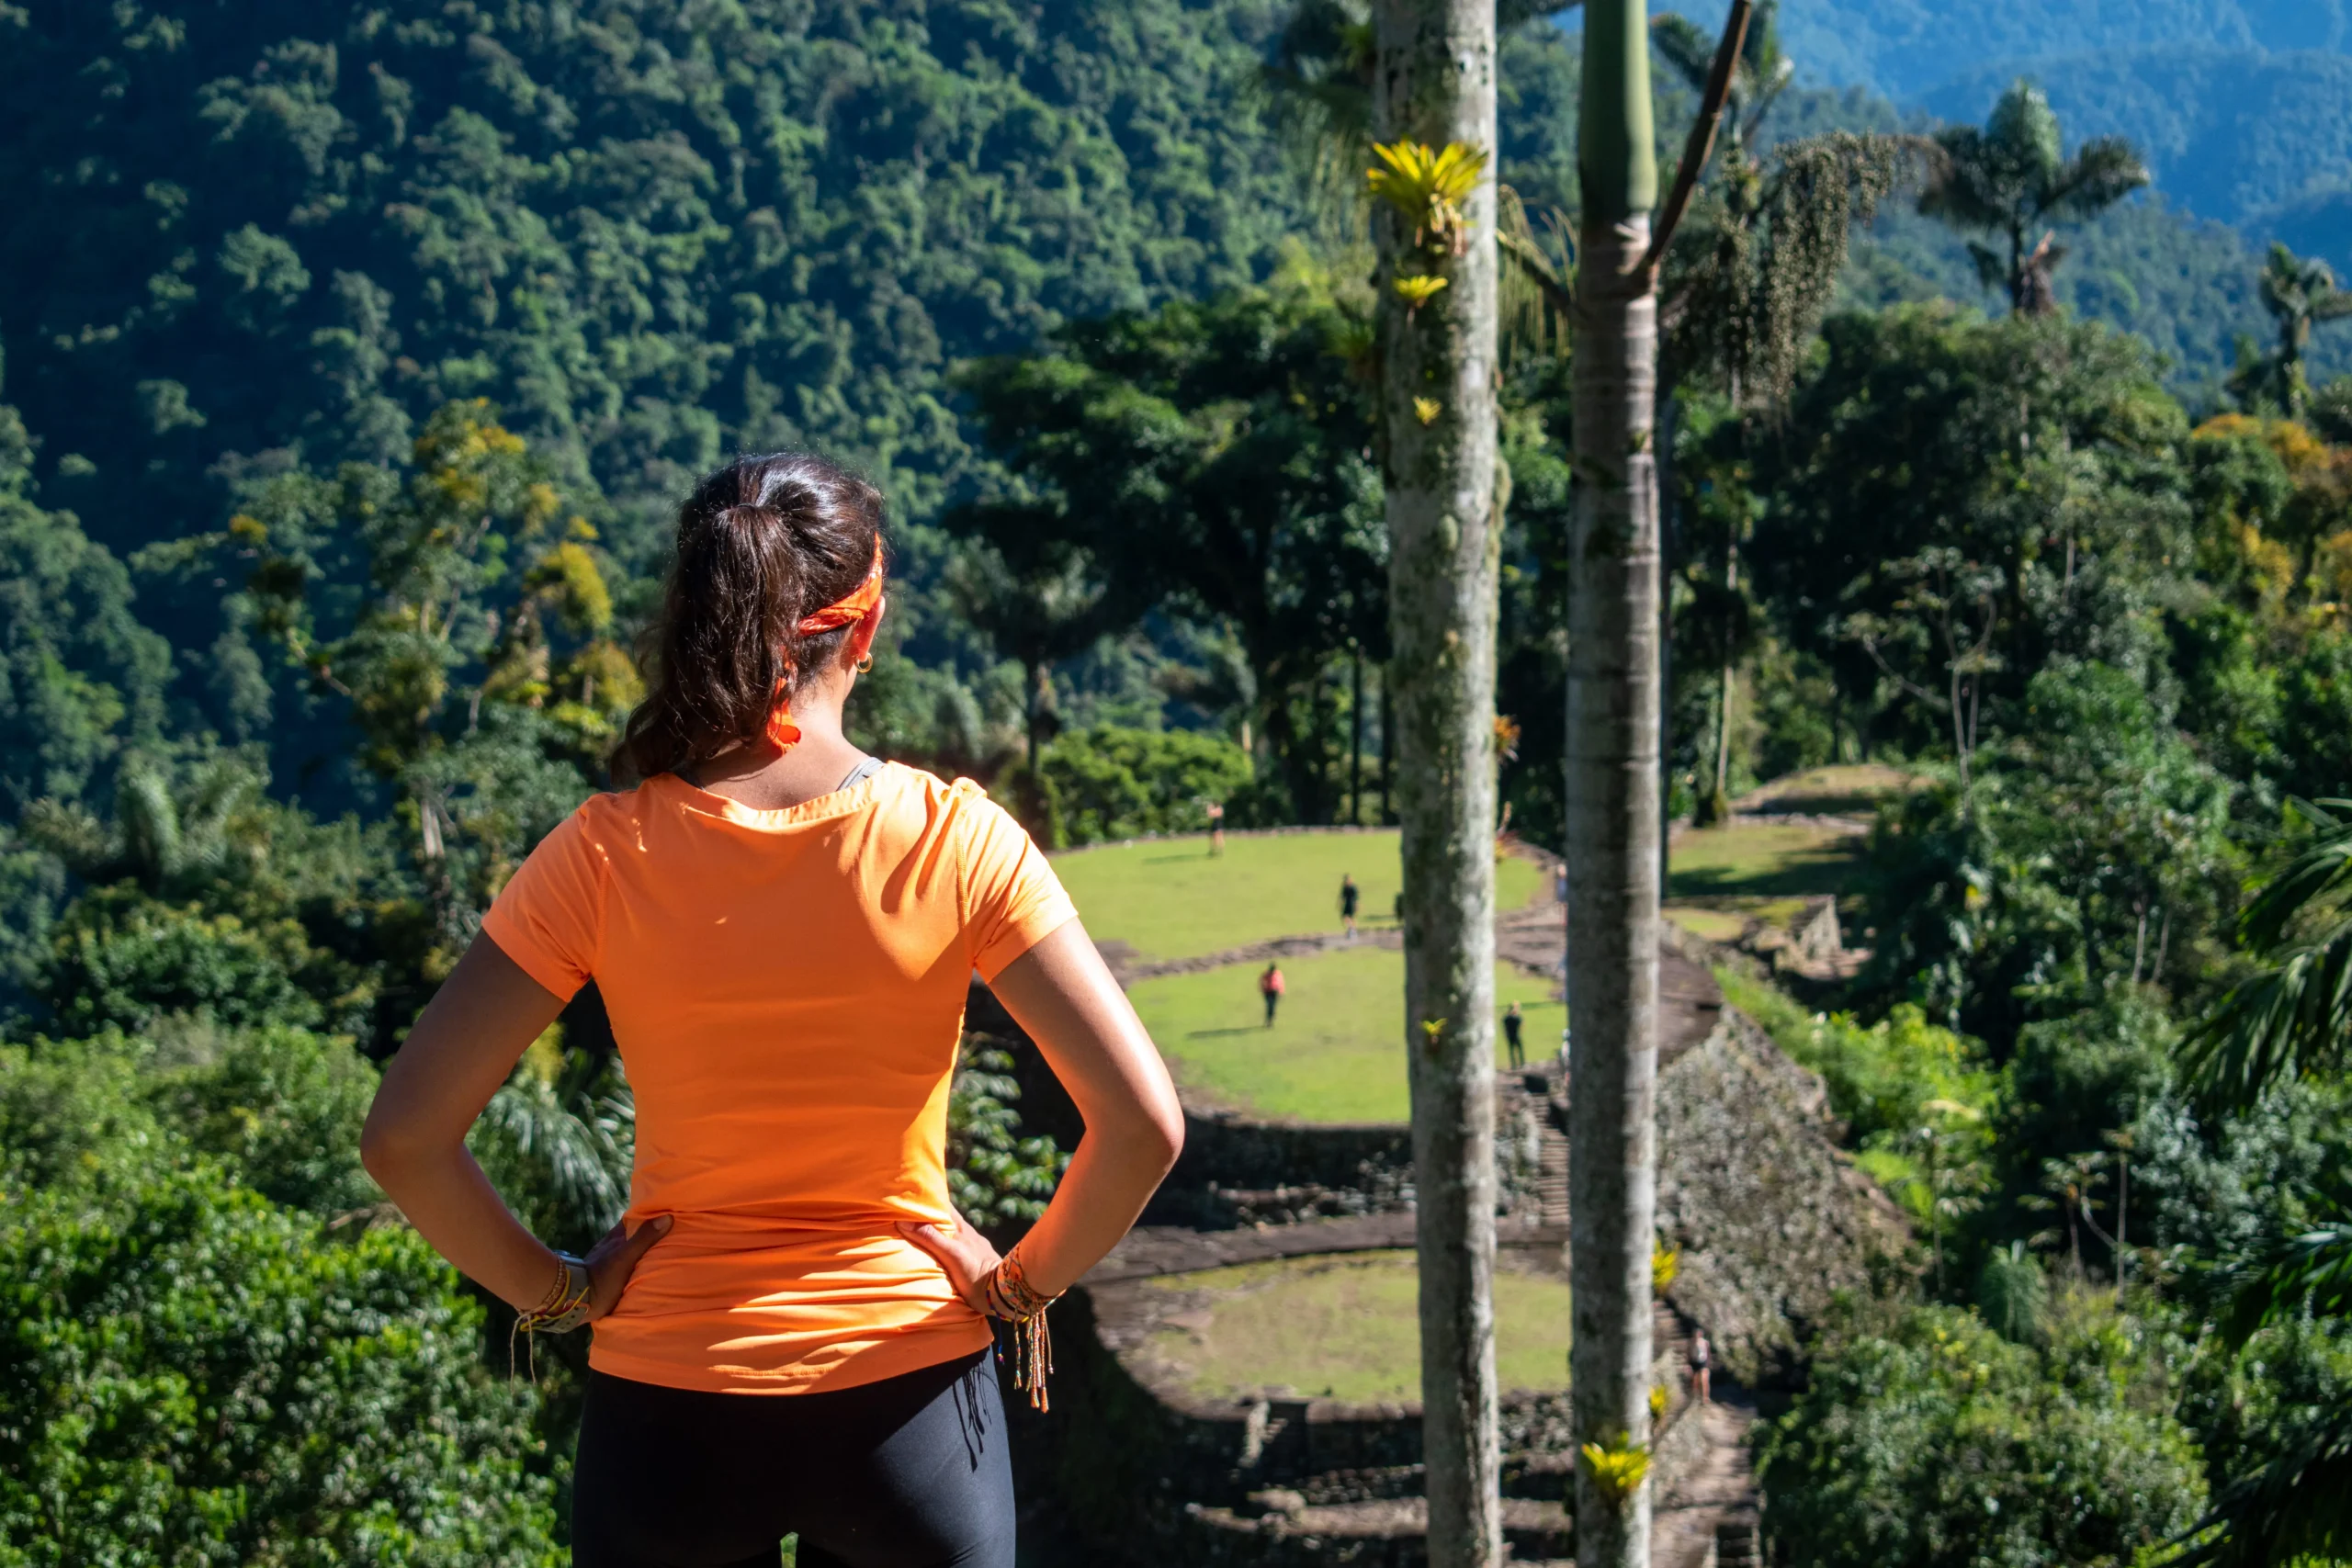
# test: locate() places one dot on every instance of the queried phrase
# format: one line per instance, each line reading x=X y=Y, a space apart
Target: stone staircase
x=1552 y=1173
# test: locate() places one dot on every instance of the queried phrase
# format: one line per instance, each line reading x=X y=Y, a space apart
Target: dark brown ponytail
x=761 y=543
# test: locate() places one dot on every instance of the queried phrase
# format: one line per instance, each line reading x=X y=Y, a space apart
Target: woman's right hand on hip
x=614 y=1257
x=961 y=1250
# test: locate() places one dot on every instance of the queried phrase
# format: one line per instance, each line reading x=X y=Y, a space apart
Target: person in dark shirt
x=1512 y=1024
x=1348 y=895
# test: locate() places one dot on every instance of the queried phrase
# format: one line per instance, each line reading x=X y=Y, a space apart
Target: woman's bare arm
x=1064 y=998
x=478 y=1025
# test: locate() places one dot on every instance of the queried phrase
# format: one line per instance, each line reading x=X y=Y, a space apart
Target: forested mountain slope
x=2185 y=283
x=234 y=235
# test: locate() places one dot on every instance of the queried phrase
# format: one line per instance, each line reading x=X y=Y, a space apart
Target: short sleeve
x=549 y=917
x=1013 y=900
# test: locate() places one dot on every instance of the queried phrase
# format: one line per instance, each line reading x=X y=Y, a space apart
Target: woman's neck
x=755 y=776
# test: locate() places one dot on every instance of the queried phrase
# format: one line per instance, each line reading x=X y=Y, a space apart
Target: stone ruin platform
x=1770 y=1216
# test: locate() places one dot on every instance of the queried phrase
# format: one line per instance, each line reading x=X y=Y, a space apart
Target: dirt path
x=1129 y=968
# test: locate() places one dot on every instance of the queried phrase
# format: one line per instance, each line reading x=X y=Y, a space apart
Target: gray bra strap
x=864 y=770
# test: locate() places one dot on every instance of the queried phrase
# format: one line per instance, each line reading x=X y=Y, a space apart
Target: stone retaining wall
x=1772 y=1217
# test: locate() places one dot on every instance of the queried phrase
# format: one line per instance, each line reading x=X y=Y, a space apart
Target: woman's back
x=784 y=951
x=788 y=991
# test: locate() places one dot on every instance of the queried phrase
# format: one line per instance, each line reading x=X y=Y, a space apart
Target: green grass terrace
x=1166 y=898
x=1336 y=1052
x=1344 y=1326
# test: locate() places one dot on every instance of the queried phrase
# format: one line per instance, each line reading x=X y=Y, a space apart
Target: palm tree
x=557 y=1138
x=1432 y=132
x=1434 y=111
x=1035 y=598
x=2289 y=1019
x=1613 y=807
x=2300 y=294
x=1435 y=222
x=2292 y=1016
x=2013 y=177
x=1743 y=295
x=2297 y=1507
x=176 y=838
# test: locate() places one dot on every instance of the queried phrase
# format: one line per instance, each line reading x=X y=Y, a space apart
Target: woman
x=793 y=1326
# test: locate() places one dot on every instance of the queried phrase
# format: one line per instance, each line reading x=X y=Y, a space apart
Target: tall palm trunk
x=1613 y=819
x=1355 y=739
x=1722 y=718
x=1435 y=84
x=1387 y=744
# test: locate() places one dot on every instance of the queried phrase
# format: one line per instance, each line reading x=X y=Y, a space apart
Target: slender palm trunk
x=1722 y=717
x=1387 y=744
x=1613 y=820
x=1435 y=84
x=1355 y=740
x=1669 y=542
x=1041 y=704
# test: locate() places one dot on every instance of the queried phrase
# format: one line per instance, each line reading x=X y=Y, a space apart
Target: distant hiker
x=795 y=1330
x=1270 y=986
x=1699 y=1358
x=1512 y=1024
x=1349 y=894
x=1217 y=827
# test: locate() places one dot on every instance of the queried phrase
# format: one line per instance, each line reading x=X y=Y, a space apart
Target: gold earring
x=865 y=665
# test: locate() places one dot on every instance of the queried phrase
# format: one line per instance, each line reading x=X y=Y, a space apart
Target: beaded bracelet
x=1011 y=1297
x=562 y=1310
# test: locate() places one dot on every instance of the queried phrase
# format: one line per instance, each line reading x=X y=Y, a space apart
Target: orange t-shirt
x=788 y=991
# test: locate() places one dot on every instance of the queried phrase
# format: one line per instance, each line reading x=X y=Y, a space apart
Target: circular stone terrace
x=1247 y=1380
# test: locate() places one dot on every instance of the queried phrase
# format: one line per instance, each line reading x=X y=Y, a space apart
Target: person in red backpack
x=1270 y=986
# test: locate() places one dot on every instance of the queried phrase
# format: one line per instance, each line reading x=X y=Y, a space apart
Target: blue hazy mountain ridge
x=2242 y=107
x=2231 y=134
x=2183 y=282
x=1908 y=48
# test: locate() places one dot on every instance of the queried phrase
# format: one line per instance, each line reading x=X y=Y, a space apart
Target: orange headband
x=856 y=606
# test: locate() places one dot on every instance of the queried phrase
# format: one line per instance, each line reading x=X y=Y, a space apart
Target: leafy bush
x=72 y=1113
x=277 y=1109
x=1880 y=1076
x=121 y=959
x=192 y=1375
x=284 y=1108
x=995 y=1177
x=1932 y=1441
x=1110 y=783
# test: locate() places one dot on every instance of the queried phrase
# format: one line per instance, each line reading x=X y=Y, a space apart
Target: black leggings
x=907 y=1473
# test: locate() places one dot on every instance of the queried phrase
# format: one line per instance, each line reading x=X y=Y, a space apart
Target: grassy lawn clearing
x=1776 y=861
x=1709 y=925
x=1847 y=789
x=1166 y=898
x=1344 y=1326
x=1336 y=1051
